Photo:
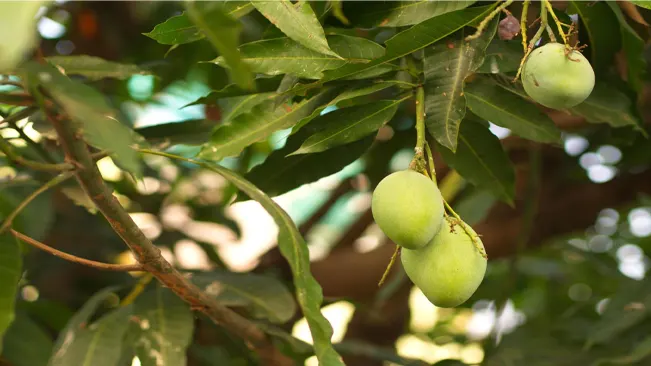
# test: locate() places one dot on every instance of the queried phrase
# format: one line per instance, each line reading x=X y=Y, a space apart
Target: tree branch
x=149 y=256
x=75 y=259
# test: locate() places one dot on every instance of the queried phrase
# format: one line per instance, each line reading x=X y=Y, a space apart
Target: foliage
x=268 y=99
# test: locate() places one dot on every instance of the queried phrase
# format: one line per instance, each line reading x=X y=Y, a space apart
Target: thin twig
x=489 y=17
x=137 y=290
x=8 y=150
x=523 y=24
x=549 y=7
x=75 y=259
x=430 y=160
x=51 y=183
x=11 y=83
x=534 y=40
x=388 y=269
x=20 y=99
x=465 y=228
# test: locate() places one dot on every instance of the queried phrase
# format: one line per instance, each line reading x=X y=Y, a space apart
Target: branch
x=75 y=259
x=20 y=99
x=149 y=256
x=8 y=150
x=51 y=183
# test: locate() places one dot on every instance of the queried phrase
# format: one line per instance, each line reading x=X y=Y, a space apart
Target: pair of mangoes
x=438 y=253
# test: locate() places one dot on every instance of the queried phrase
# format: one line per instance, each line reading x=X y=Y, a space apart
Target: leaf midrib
x=453 y=97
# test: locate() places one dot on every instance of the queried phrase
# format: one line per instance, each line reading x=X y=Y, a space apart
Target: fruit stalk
x=418 y=162
x=549 y=7
x=481 y=250
x=534 y=40
x=420 y=120
x=523 y=24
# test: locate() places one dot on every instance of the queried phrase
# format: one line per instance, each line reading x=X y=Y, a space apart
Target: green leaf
x=446 y=66
x=179 y=29
x=297 y=21
x=502 y=57
x=90 y=111
x=281 y=173
x=164 y=328
x=494 y=104
x=402 y=13
x=96 y=344
x=79 y=197
x=235 y=106
x=176 y=30
x=641 y=351
x=17 y=30
x=348 y=95
x=265 y=296
x=260 y=123
x=26 y=343
x=347 y=125
x=634 y=47
x=262 y=85
x=474 y=206
x=293 y=247
x=35 y=219
x=94 y=68
x=413 y=39
x=190 y=132
x=598 y=22
x=481 y=159
x=223 y=32
x=642 y=3
x=608 y=105
x=11 y=264
x=285 y=56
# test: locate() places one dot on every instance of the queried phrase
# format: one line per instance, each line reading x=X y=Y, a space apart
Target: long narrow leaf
x=446 y=66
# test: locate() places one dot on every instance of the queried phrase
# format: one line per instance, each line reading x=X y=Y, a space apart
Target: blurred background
x=573 y=290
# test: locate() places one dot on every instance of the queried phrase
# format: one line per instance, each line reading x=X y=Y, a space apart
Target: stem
x=420 y=119
x=430 y=161
x=137 y=290
x=75 y=259
x=20 y=99
x=523 y=24
x=386 y=271
x=418 y=162
x=534 y=40
x=8 y=150
x=489 y=17
x=148 y=255
x=51 y=183
x=550 y=32
x=11 y=83
x=465 y=228
x=549 y=7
